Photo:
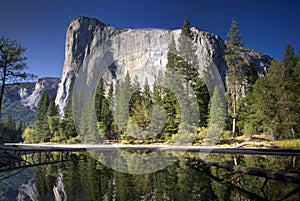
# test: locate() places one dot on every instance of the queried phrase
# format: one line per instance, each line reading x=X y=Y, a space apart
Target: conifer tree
x=53 y=119
x=52 y=109
x=103 y=109
x=186 y=62
x=234 y=74
x=187 y=65
x=157 y=92
x=67 y=125
x=99 y=96
x=121 y=113
x=172 y=58
x=158 y=113
x=147 y=94
x=216 y=115
x=169 y=100
x=136 y=96
x=273 y=109
x=9 y=123
x=12 y=64
x=42 y=127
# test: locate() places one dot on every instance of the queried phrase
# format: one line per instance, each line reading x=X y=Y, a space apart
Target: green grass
x=287 y=143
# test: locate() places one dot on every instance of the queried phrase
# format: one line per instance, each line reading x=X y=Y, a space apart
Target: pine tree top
x=234 y=35
x=289 y=55
x=186 y=30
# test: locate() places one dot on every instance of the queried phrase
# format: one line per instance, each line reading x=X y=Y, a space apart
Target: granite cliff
x=21 y=99
x=84 y=35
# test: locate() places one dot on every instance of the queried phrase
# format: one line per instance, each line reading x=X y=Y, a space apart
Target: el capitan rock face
x=85 y=34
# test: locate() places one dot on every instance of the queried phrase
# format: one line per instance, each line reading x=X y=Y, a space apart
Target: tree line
x=256 y=104
x=262 y=104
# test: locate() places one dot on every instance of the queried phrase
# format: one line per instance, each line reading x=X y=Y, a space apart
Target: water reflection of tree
x=249 y=182
x=85 y=178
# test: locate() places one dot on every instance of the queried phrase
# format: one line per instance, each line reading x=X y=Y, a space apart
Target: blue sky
x=40 y=25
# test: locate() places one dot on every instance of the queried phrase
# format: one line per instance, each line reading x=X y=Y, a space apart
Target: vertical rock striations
x=85 y=34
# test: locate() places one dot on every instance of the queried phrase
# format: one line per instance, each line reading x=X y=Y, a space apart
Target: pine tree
x=157 y=93
x=42 y=127
x=289 y=57
x=103 y=109
x=289 y=109
x=187 y=66
x=201 y=91
x=172 y=57
x=136 y=96
x=186 y=62
x=147 y=94
x=251 y=76
x=273 y=100
x=12 y=64
x=67 y=125
x=99 y=96
x=9 y=123
x=169 y=100
x=216 y=116
x=234 y=74
x=53 y=119
x=52 y=109
x=121 y=113
x=111 y=101
x=106 y=119
x=158 y=114
x=88 y=123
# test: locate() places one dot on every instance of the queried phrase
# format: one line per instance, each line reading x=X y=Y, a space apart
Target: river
x=77 y=175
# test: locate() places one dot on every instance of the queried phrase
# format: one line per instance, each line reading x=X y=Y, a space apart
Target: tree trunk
x=234 y=110
x=279 y=176
x=3 y=86
x=293 y=132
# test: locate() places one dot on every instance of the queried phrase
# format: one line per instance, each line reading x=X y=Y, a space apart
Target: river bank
x=13 y=147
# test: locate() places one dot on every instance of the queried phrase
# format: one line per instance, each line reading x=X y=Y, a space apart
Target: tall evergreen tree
x=123 y=95
x=9 y=123
x=147 y=94
x=234 y=74
x=12 y=64
x=99 y=96
x=158 y=114
x=136 y=96
x=52 y=109
x=187 y=65
x=251 y=76
x=67 y=125
x=41 y=124
x=172 y=57
x=169 y=100
x=186 y=62
x=216 y=116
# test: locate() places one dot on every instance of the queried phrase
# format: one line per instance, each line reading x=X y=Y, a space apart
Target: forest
x=259 y=107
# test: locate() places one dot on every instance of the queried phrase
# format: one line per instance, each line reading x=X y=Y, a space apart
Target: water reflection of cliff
x=81 y=177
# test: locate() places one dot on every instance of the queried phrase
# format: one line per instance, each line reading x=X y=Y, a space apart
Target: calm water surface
x=78 y=176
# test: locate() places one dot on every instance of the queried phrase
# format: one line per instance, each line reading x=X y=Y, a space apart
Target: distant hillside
x=21 y=99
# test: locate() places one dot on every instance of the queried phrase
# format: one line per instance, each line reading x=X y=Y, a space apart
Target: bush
x=30 y=136
x=74 y=140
